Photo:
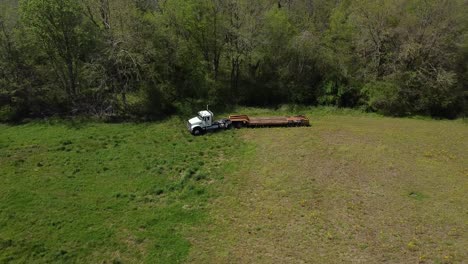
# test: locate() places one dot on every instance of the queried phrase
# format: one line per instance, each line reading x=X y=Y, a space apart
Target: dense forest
x=150 y=58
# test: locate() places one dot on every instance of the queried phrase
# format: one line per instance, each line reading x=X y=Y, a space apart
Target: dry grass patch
x=348 y=189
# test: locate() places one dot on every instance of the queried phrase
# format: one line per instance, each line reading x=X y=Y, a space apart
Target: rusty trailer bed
x=244 y=120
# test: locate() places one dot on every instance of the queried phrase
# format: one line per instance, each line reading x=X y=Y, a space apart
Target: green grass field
x=352 y=187
x=104 y=193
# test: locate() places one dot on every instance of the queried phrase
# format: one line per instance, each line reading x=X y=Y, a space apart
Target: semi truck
x=203 y=122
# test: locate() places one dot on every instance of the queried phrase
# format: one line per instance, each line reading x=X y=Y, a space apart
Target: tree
x=19 y=94
x=144 y=57
x=56 y=26
x=116 y=69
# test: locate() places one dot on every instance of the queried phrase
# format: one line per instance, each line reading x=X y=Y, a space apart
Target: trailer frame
x=239 y=121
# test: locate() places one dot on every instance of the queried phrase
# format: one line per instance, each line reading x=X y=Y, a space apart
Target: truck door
x=208 y=121
x=205 y=122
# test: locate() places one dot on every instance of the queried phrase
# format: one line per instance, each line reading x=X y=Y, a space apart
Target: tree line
x=150 y=58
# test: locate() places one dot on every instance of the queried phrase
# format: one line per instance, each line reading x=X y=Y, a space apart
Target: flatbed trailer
x=239 y=121
x=204 y=122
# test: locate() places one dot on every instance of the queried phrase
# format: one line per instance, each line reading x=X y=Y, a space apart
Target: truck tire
x=228 y=126
x=197 y=131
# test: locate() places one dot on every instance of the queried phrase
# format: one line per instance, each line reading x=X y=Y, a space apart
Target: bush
x=333 y=93
x=151 y=103
x=383 y=97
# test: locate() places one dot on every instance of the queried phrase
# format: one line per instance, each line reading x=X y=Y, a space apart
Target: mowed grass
x=104 y=193
x=352 y=188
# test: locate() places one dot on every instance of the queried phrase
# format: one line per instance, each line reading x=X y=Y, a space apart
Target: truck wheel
x=197 y=131
x=229 y=126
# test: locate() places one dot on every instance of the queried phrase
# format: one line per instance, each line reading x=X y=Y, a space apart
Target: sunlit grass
x=352 y=187
x=91 y=192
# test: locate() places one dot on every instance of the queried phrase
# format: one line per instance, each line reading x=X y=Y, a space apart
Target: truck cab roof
x=205 y=113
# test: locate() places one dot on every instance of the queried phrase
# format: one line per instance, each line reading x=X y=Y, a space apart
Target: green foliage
x=384 y=97
x=338 y=94
x=99 y=57
x=278 y=29
x=57 y=28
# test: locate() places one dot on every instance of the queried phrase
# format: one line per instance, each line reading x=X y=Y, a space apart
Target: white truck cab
x=203 y=122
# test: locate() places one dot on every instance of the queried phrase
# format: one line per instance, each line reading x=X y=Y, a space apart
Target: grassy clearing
x=351 y=188
x=104 y=193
